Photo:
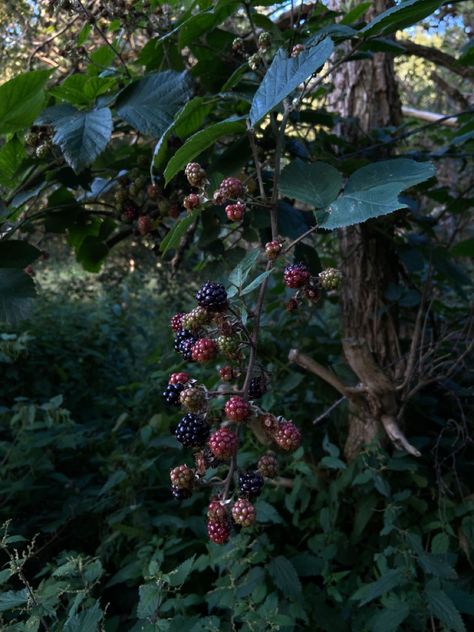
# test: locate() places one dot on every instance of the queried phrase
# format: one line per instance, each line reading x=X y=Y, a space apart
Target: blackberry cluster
x=297 y=276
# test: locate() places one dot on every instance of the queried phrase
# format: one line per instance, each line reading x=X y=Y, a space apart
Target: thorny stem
x=117 y=53
x=300 y=238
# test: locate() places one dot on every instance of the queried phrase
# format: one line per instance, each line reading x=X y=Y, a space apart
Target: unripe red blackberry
x=273 y=249
x=195 y=174
x=218 y=532
x=216 y=511
x=191 y=201
x=235 y=212
x=203 y=350
x=250 y=484
x=243 y=512
x=297 y=49
x=254 y=61
x=312 y=293
x=182 y=477
x=287 y=436
x=212 y=296
x=177 y=321
x=153 y=191
x=264 y=41
x=296 y=275
x=193 y=399
x=223 y=443
x=192 y=431
x=231 y=188
x=227 y=373
x=172 y=393
x=268 y=466
x=238 y=46
x=228 y=345
x=329 y=279
x=178 y=378
x=144 y=224
x=197 y=318
x=237 y=409
x=218 y=197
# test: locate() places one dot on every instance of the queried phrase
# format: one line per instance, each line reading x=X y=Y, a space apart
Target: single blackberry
x=243 y=512
x=296 y=275
x=204 y=349
x=329 y=279
x=182 y=477
x=250 y=484
x=193 y=399
x=212 y=296
x=178 y=378
x=223 y=443
x=180 y=494
x=195 y=174
x=216 y=511
x=287 y=436
x=192 y=431
x=171 y=394
x=268 y=466
x=264 y=41
x=176 y=322
x=196 y=318
x=186 y=348
x=237 y=408
x=257 y=387
x=235 y=212
x=191 y=201
x=218 y=532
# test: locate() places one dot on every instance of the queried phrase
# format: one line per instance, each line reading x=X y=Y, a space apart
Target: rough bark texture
x=365 y=92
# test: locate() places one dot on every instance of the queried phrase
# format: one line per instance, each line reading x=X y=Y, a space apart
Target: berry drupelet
x=212 y=296
x=192 y=431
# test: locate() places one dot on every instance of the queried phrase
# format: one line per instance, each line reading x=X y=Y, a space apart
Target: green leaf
x=180 y=574
x=257 y=282
x=17 y=254
x=463 y=248
x=12 y=155
x=83 y=90
x=285 y=75
x=91 y=253
x=13 y=599
x=191 y=117
x=285 y=577
x=241 y=271
x=388 y=581
x=373 y=191
x=400 y=16
x=21 y=100
x=83 y=136
x=150 y=598
x=150 y=104
x=391 y=618
x=332 y=463
x=267 y=512
x=316 y=183
x=441 y=607
x=173 y=237
x=16 y=291
x=200 y=141
x=357 y=12
x=86 y=620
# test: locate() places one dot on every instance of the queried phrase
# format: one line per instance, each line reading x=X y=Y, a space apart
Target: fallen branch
x=396 y=435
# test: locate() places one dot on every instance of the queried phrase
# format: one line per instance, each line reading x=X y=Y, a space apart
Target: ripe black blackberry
x=257 y=387
x=212 y=296
x=171 y=394
x=250 y=484
x=192 y=431
x=180 y=494
x=181 y=335
x=186 y=348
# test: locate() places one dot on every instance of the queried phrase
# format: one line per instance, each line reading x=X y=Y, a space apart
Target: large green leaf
x=82 y=89
x=86 y=620
x=443 y=608
x=13 y=599
x=16 y=291
x=150 y=104
x=400 y=16
x=200 y=141
x=316 y=183
x=83 y=136
x=391 y=617
x=17 y=254
x=373 y=191
x=388 y=581
x=284 y=575
x=173 y=237
x=285 y=75
x=21 y=100
x=12 y=155
x=150 y=598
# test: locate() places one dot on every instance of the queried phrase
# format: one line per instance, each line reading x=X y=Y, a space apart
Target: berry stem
x=300 y=238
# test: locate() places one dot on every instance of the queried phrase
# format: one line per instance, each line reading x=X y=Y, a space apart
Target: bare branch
x=396 y=435
x=307 y=363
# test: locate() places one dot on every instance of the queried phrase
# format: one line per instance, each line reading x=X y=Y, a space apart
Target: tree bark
x=366 y=95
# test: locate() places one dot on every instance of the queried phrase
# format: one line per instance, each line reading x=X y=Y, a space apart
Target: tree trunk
x=366 y=95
